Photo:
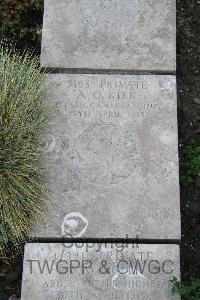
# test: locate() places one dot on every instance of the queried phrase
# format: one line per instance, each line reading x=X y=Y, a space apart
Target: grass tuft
x=23 y=117
x=189 y=290
x=191 y=163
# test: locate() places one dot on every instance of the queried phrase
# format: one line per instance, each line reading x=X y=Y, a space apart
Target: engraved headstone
x=113 y=146
x=99 y=271
x=110 y=34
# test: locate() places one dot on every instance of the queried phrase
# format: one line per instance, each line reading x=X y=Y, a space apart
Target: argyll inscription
x=80 y=271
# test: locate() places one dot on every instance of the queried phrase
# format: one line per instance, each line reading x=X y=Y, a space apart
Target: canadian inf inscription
x=106 y=98
x=83 y=271
x=113 y=144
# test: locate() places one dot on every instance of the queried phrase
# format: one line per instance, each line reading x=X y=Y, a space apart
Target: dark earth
x=188 y=78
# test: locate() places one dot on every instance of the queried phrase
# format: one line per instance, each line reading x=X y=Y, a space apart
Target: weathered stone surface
x=110 y=34
x=113 y=146
x=99 y=271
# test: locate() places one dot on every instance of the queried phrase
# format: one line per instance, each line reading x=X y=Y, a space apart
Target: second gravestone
x=110 y=34
x=99 y=271
x=113 y=146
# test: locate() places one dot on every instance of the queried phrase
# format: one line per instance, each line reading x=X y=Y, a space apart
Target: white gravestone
x=99 y=271
x=113 y=146
x=110 y=34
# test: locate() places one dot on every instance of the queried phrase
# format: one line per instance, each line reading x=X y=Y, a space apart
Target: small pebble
x=13 y=297
x=197 y=100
